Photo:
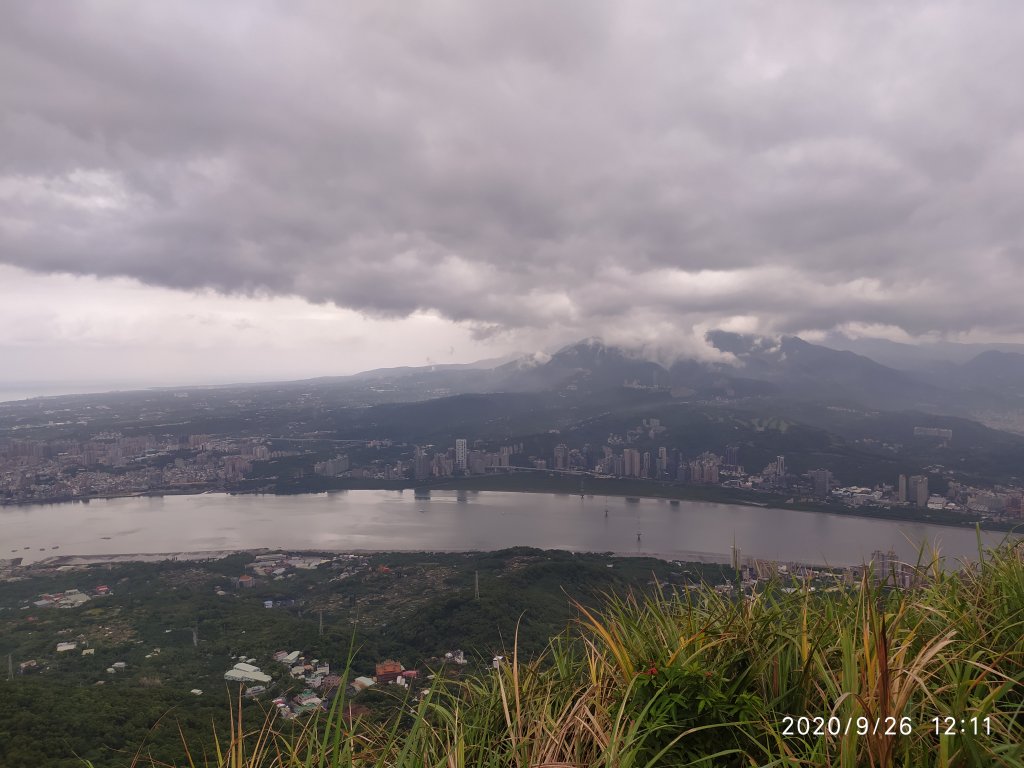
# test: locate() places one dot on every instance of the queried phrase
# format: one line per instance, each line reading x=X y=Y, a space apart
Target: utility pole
x=10 y=667
x=737 y=564
x=476 y=578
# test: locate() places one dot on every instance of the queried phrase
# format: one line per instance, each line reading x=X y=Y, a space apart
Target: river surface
x=462 y=520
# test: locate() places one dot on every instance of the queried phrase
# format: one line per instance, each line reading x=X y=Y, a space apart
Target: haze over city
x=251 y=191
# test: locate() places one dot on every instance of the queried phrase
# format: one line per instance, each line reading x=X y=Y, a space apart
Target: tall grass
x=699 y=679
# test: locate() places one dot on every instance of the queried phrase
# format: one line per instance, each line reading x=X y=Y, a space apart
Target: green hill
x=857 y=675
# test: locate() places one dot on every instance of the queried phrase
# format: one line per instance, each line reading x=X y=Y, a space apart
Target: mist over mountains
x=810 y=382
x=823 y=408
x=982 y=382
x=987 y=385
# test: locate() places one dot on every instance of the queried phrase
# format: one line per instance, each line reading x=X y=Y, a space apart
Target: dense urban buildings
x=113 y=464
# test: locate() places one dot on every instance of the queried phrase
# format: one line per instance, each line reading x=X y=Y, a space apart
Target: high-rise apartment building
x=822 y=480
x=421 y=465
x=631 y=466
x=335 y=466
x=732 y=455
x=460 y=454
x=704 y=469
x=917 y=490
x=561 y=456
x=618 y=466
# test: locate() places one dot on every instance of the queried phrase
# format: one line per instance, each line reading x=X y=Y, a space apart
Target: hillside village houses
x=70 y=598
x=320 y=686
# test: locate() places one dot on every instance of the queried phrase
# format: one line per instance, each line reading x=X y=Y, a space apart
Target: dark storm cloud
x=582 y=167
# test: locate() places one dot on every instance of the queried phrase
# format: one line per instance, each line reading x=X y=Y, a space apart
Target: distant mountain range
x=913 y=357
x=821 y=407
x=988 y=385
x=985 y=384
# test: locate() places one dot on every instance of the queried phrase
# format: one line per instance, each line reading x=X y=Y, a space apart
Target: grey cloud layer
x=583 y=167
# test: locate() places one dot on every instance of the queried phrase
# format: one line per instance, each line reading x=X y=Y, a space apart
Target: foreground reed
x=700 y=679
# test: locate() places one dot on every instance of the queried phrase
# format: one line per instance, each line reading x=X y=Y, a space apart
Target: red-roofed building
x=388 y=671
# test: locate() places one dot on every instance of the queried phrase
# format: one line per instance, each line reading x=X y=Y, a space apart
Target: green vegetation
x=695 y=678
x=412 y=606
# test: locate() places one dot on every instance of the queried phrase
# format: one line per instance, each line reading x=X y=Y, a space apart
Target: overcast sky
x=196 y=191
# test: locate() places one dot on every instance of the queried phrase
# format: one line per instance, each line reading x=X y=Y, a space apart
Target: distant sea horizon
x=25 y=390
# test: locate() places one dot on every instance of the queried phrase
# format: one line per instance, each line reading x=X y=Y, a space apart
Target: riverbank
x=523 y=483
x=586 y=485
x=468 y=519
x=85 y=560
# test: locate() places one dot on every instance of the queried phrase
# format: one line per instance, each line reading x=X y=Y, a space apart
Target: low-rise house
x=456 y=656
x=306 y=701
x=306 y=697
x=388 y=671
x=239 y=676
x=73 y=601
x=361 y=684
x=72 y=598
x=246 y=673
x=65 y=647
x=330 y=683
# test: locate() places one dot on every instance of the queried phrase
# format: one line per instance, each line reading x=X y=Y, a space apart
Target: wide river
x=458 y=520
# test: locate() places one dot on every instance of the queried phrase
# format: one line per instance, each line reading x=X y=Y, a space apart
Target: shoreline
x=85 y=560
x=705 y=494
x=73 y=561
